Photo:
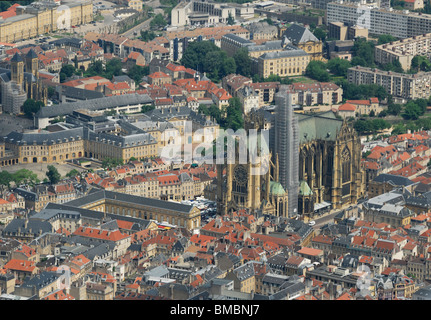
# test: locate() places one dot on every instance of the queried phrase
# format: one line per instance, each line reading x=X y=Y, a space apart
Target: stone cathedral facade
x=330 y=172
x=330 y=169
x=253 y=186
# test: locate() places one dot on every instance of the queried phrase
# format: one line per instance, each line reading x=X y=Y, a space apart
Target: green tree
x=320 y=34
x=68 y=70
x=243 y=62
x=109 y=163
x=420 y=63
x=230 y=19
x=137 y=72
x=158 y=21
x=72 y=173
x=147 y=108
x=24 y=176
x=385 y=38
x=53 y=175
x=339 y=66
x=317 y=70
x=5 y=178
x=394 y=109
x=31 y=106
x=412 y=111
x=234 y=118
x=195 y=55
x=147 y=35
x=51 y=92
x=364 y=50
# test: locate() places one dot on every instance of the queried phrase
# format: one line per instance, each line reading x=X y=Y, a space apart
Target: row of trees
x=18 y=177
x=25 y=176
x=112 y=68
x=372 y=126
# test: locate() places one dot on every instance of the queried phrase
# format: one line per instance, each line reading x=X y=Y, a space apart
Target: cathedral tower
x=32 y=63
x=17 y=69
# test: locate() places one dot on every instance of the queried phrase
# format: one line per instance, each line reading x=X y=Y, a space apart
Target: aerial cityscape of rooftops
x=215 y=150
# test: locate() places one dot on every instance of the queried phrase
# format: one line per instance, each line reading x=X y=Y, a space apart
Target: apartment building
x=400 y=24
x=404 y=50
x=399 y=85
x=320 y=93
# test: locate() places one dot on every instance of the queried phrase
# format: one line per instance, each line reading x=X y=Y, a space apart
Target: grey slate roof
x=85 y=213
x=298 y=34
x=31 y=54
x=79 y=93
x=50 y=138
x=41 y=280
x=394 y=179
x=289 y=51
x=129 y=198
x=16 y=58
x=238 y=39
x=37 y=227
x=94 y=104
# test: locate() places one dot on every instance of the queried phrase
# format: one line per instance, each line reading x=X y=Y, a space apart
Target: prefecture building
x=44 y=16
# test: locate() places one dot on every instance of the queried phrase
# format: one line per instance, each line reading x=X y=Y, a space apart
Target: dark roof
x=49 y=138
x=37 y=227
x=394 y=179
x=298 y=34
x=16 y=58
x=94 y=104
x=41 y=280
x=79 y=93
x=104 y=194
x=31 y=54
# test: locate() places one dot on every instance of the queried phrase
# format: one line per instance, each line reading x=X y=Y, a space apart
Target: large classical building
x=289 y=62
x=279 y=57
x=304 y=39
x=44 y=16
x=185 y=216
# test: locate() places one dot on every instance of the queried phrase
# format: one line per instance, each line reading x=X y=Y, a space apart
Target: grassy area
x=99 y=18
x=302 y=79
